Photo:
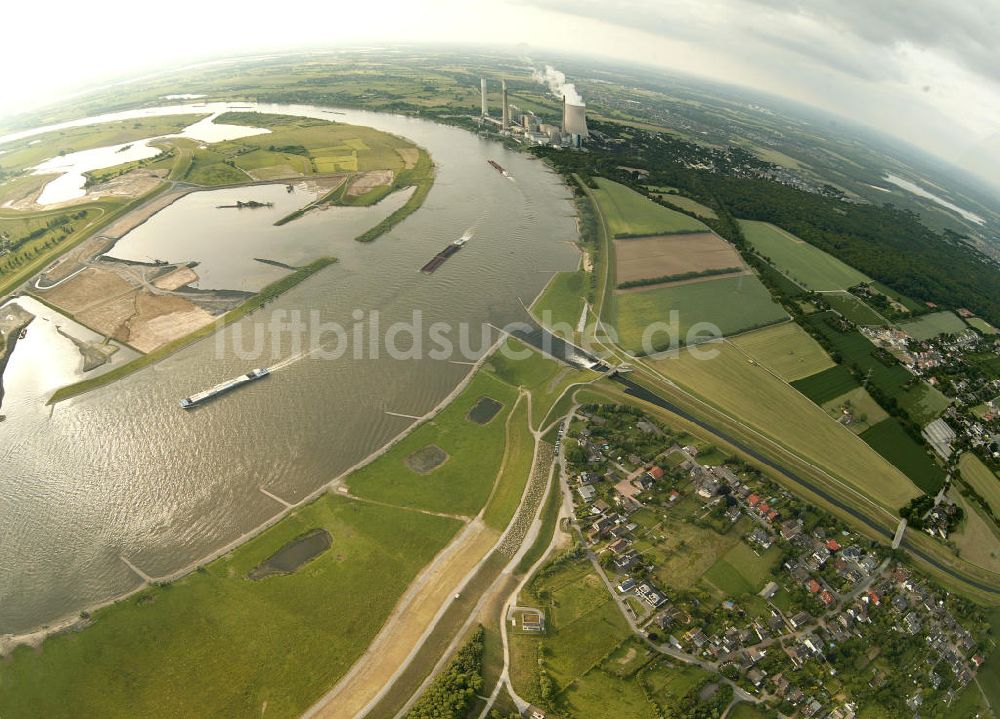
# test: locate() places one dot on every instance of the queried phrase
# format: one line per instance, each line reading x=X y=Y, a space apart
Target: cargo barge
x=438 y=259
x=199 y=397
x=499 y=168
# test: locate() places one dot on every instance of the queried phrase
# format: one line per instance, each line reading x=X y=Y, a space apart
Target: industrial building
x=527 y=127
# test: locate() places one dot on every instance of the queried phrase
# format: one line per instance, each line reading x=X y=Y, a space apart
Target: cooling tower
x=482 y=89
x=574 y=119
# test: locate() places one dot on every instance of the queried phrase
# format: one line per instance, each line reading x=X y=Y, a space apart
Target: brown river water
x=124 y=472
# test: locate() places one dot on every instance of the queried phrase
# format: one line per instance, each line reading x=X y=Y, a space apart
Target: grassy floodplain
x=809 y=266
x=786 y=349
x=932 y=325
x=563 y=298
x=174 y=650
x=774 y=409
x=733 y=304
x=463 y=482
x=629 y=213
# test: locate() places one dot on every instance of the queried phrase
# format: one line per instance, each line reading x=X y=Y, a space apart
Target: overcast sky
x=927 y=71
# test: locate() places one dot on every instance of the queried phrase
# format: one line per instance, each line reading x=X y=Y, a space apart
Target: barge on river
x=231 y=384
x=438 y=259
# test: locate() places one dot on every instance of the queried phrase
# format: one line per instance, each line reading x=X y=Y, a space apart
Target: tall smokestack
x=482 y=89
x=506 y=107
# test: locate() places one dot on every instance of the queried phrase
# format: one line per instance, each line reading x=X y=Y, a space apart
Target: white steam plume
x=556 y=81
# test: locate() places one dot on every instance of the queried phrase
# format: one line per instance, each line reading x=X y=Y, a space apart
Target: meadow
x=628 y=213
x=889 y=439
x=982 y=325
x=741 y=571
x=685 y=203
x=563 y=299
x=514 y=469
x=733 y=304
x=294 y=147
x=976 y=538
x=865 y=410
x=932 y=325
x=785 y=349
x=853 y=309
x=809 y=266
x=462 y=483
x=173 y=650
x=978 y=476
x=772 y=408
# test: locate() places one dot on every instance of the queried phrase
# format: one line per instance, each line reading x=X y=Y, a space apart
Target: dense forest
x=887 y=243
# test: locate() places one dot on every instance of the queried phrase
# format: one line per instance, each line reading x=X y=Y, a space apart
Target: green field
x=809 y=266
x=460 y=485
x=889 y=439
x=174 y=650
x=865 y=410
x=563 y=300
x=932 y=325
x=741 y=571
x=686 y=204
x=733 y=304
x=514 y=470
x=296 y=146
x=853 y=309
x=629 y=213
x=978 y=476
x=982 y=325
x=768 y=405
x=785 y=349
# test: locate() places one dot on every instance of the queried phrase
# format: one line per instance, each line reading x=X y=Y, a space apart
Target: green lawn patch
x=853 y=309
x=561 y=303
x=982 y=325
x=630 y=214
x=932 y=325
x=786 y=349
x=733 y=304
x=462 y=484
x=889 y=439
x=515 y=470
x=807 y=265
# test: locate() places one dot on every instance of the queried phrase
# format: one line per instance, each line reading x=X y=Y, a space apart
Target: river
x=123 y=472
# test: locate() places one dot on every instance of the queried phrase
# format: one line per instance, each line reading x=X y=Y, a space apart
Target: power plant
x=525 y=126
